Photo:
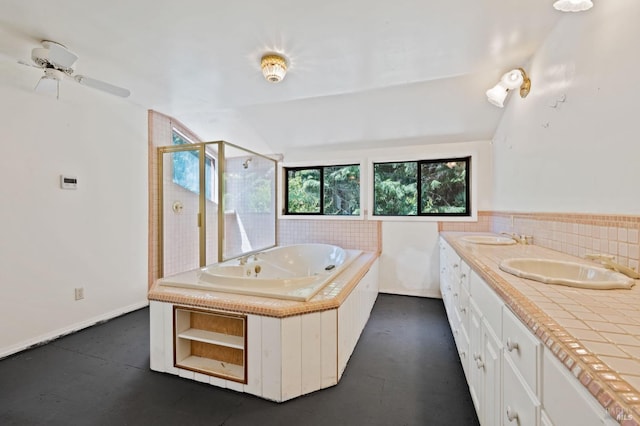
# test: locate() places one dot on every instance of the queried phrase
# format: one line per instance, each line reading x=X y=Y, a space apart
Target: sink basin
x=566 y=273
x=488 y=239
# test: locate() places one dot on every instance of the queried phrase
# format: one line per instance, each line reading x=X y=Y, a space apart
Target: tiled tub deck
x=594 y=333
x=292 y=348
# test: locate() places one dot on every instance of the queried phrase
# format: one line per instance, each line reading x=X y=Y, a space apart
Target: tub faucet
x=243 y=260
x=606 y=260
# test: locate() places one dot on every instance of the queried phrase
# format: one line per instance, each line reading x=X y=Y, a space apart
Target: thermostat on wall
x=68 y=182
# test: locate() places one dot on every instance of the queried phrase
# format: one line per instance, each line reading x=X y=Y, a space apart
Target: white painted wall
x=54 y=240
x=580 y=155
x=409 y=260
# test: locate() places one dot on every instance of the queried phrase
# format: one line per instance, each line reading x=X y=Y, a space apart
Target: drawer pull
x=479 y=362
x=455 y=265
x=463 y=310
x=455 y=294
x=511 y=414
x=463 y=275
x=511 y=346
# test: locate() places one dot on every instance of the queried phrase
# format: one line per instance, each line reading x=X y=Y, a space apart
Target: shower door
x=183 y=194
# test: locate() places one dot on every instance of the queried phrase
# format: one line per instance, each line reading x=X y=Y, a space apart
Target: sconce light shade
x=497 y=95
x=573 y=5
x=516 y=78
x=274 y=67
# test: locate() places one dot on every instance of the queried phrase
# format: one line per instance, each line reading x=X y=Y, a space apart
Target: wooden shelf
x=210 y=342
x=213 y=338
x=216 y=367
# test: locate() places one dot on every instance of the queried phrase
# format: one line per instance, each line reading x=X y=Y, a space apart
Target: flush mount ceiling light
x=509 y=81
x=274 y=67
x=573 y=5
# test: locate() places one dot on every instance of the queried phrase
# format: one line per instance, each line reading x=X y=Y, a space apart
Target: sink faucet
x=606 y=260
x=520 y=239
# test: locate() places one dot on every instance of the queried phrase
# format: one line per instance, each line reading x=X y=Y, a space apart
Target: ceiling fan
x=57 y=62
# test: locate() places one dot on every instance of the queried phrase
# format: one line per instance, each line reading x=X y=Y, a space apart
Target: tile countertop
x=595 y=333
x=330 y=296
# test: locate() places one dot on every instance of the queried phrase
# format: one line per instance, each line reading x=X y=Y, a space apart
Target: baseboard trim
x=431 y=294
x=73 y=328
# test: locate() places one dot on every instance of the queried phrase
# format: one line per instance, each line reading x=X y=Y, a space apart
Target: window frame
x=208 y=157
x=284 y=212
x=472 y=185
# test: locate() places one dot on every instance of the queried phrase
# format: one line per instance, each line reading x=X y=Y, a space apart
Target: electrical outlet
x=79 y=293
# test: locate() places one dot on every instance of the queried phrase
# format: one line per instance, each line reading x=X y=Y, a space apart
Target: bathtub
x=296 y=272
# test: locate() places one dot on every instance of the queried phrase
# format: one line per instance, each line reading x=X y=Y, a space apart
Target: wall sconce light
x=573 y=5
x=274 y=67
x=509 y=81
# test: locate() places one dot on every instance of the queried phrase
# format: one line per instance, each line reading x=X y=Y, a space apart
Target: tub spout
x=606 y=260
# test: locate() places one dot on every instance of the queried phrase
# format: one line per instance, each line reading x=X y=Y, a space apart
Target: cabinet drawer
x=520 y=406
x=522 y=348
x=488 y=302
x=463 y=308
x=465 y=272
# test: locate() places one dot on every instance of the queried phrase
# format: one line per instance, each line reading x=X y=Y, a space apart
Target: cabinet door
x=520 y=407
x=492 y=360
x=476 y=372
x=564 y=399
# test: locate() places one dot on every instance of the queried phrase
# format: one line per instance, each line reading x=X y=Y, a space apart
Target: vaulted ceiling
x=361 y=72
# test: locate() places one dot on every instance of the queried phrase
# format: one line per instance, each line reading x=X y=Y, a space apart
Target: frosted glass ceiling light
x=274 y=67
x=573 y=5
x=516 y=78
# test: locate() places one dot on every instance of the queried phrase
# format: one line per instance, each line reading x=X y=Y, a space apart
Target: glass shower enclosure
x=216 y=201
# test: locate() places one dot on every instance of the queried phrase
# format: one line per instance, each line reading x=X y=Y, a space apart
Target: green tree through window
x=422 y=188
x=323 y=190
x=186 y=168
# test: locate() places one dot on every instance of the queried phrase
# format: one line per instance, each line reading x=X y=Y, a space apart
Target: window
x=323 y=190
x=186 y=168
x=422 y=188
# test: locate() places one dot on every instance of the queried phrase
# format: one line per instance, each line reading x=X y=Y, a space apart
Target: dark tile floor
x=404 y=371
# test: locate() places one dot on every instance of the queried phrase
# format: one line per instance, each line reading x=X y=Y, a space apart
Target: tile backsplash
x=570 y=233
x=348 y=234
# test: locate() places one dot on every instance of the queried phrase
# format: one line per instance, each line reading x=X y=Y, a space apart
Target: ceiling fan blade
x=101 y=85
x=21 y=62
x=60 y=55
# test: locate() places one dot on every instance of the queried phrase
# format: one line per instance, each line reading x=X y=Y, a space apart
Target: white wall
x=583 y=154
x=409 y=260
x=54 y=240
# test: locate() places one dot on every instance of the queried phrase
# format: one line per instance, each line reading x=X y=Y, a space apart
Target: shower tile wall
x=160 y=130
x=348 y=234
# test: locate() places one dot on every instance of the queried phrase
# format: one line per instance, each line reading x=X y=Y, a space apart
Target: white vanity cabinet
x=521 y=372
x=513 y=378
x=454 y=286
x=485 y=382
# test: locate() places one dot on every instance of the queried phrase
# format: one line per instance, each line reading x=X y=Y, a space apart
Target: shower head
x=246 y=162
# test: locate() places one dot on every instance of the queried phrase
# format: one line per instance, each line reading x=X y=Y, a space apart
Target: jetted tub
x=296 y=272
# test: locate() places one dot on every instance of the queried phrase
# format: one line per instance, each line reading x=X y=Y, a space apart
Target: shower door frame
x=201 y=222
x=200 y=147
